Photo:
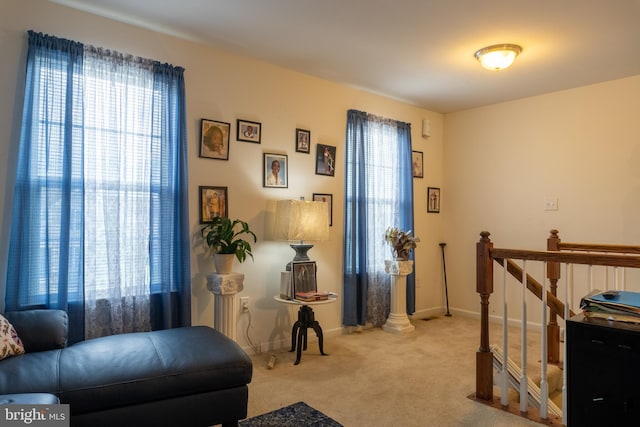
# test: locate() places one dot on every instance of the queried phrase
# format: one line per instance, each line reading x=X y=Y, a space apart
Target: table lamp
x=301 y=220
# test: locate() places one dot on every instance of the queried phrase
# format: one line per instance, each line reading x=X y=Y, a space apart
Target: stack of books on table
x=312 y=296
x=621 y=306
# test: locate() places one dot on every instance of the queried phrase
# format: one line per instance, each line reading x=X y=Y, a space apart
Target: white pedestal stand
x=398 y=321
x=224 y=287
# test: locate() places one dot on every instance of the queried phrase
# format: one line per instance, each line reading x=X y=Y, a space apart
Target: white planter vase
x=223 y=263
x=224 y=288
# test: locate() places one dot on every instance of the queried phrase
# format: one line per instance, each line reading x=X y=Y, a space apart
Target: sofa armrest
x=40 y=330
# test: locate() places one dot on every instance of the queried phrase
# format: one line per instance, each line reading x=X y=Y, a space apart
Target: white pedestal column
x=398 y=321
x=224 y=288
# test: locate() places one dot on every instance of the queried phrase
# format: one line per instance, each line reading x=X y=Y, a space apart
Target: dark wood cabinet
x=603 y=372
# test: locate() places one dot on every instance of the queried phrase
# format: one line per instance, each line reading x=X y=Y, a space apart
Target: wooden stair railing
x=534 y=287
x=553 y=275
x=513 y=377
x=555 y=244
x=556 y=307
x=486 y=254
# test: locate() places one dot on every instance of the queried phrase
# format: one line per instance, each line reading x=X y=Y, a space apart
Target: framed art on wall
x=275 y=170
x=325 y=160
x=214 y=139
x=418 y=165
x=249 y=131
x=213 y=202
x=433 y=200
x=328 y=199
x=303 y=138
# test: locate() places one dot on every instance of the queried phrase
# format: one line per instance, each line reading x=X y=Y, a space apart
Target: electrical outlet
x=244 y=304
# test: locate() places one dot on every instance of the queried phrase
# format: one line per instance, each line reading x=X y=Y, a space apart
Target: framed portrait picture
x=249 y=131
x=214 y=139
x=213 y=202
x=275 y=170
x=325 y=160
x=303 y=138
x=418 y=165
x=303 y=276
x=328 y=199
x=433 y=200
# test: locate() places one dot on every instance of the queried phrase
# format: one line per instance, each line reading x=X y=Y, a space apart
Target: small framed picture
x=433 y=200
x=214 y=139
x=213 y=202
x=418 y=165
x=303 y=138
x=303 y=276
x=275 y=170
x=249 y=131
x=328 y=199
x=325 y=160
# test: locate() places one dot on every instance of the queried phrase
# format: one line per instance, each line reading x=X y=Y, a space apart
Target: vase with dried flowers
x=401 y=242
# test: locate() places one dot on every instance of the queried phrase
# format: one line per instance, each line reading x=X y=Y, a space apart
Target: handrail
x=593 y=247
x=554 y=243
x=568 y=258
x=605 y=255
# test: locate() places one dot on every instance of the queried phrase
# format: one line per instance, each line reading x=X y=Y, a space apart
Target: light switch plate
x=551 y=204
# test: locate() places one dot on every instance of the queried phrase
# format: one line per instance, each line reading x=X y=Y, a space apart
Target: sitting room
x=129 y=130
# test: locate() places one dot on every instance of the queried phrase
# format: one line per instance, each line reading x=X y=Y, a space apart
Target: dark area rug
x=297 y=415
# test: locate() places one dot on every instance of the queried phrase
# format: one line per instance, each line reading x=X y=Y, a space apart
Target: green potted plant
x=222 y=236
x=401 y=242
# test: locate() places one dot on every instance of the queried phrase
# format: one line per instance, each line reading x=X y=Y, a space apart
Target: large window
x=378 y=194
x=99 y=218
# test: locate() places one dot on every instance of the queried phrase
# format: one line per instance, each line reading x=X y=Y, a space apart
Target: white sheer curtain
x=381 y=156
x=117 y=156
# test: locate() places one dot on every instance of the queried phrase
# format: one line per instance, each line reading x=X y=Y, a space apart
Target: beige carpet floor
x=375 y=378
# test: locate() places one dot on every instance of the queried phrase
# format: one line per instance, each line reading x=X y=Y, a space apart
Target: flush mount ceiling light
x=498 y=56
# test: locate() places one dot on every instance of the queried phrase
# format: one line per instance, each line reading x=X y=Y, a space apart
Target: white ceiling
x=417 y=51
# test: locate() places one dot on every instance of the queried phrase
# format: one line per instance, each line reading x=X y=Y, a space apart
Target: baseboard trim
x=492 y=318
x=428 y=312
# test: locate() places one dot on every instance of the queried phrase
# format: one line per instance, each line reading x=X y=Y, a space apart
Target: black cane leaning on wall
x=444 y=270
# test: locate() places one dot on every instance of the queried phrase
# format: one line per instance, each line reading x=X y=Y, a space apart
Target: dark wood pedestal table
x=306 y=320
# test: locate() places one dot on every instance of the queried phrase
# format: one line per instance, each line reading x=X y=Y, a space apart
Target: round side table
x=306 y=320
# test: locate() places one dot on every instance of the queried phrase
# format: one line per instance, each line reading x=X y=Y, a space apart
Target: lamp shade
x=301 y=220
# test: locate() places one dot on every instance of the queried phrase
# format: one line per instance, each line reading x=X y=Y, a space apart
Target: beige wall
x=501 y=162
x=222 y=86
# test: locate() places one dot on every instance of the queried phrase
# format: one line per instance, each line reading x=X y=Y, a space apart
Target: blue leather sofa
x=191 y=376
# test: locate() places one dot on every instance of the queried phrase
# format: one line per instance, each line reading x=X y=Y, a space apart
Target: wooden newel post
x=484 y=286
x=553 y=274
